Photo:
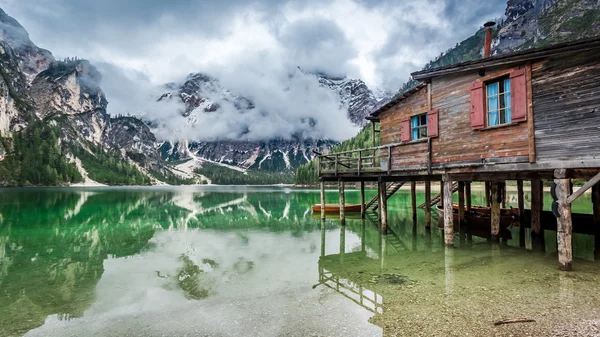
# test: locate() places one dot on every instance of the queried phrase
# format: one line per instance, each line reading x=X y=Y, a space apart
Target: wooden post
x=521 y=202
x=503 y=190
x=468 y=195
x=536 y=206
x=448 y=214
x=323 y=200
x=441 y=202
x=383 y=207
x=564 y=227
x=461 y=202
x=413 y=199
x=337 y=159
x=323 y=229
x=596 y=207
x=428 y=204
x=487 y=194
x=362 y=199
x=495 y=223
x=342 y=203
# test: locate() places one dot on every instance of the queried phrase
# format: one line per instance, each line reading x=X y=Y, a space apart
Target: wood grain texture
x=495 y=221
x=448 y=216
x=564 y=230
x=566 y=107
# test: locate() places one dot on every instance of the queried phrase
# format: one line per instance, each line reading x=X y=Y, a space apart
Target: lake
x=252 y=261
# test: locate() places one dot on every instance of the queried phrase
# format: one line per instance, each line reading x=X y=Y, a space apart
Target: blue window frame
x=418 y=127
x=498 y=102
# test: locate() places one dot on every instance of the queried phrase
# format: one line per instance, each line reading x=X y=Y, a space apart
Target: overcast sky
x=379 y=41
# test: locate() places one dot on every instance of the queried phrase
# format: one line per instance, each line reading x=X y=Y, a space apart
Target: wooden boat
x=330 y=208
x=479 y=217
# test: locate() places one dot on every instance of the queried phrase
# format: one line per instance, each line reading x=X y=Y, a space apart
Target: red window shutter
x=518 y=95
x=405 y=130
x=432 y=123
x=477 y=106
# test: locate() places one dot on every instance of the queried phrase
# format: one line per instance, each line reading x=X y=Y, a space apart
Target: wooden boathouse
x=531 y=116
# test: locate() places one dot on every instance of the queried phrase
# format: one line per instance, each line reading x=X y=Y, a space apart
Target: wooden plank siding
x=566 y=107
x=457 y=141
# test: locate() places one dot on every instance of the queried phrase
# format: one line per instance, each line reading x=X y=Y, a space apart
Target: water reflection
x=239 y=262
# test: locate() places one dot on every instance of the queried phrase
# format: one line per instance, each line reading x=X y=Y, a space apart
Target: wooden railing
x=360 y=161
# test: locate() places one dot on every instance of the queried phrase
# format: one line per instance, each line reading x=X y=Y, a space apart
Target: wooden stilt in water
x=564 y=227
x=487 y=194
x=441 y=193
x=596 y=207
x=322 y=200
x=461 y=212
x=468 y=195
x=413 y=199
x=596 y=212
x=536 y=209
x=362 y=199
x=428 y=204
x=448 y=216
x=521 y=202
x=495 y=222
x=383 y=207
x=323 y=227
x=342 y=203
x=503 y=191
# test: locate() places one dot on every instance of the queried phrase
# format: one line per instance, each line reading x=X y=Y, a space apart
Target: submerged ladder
x=436 y=199
x=390 y=189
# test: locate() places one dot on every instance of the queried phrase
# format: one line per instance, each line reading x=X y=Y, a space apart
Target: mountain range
x=55 y=129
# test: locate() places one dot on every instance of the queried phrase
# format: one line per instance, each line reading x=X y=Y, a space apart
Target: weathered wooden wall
x=457 y=141
x=566 y=107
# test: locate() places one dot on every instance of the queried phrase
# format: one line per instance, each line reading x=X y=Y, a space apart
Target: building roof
x=507 y=59
x=493 y=61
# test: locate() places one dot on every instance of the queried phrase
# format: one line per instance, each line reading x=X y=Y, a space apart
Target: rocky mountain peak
x=355 y=94
x=31 y=58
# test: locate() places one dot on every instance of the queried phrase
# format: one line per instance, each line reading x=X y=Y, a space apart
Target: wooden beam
x=564 y=229
x=502 y=187
x=342 y=203
x=468 y=195
x=383 y=207
x=584 y=188
x=521 y=203
x=596 y=208
x=530 y=121
x=323 y=200
x=362 y=199
x=448 y=214
x=495 y=221
x=413 y=199
x=487 y=194
x=428 y=204
x=461 y=203
x=536 y=205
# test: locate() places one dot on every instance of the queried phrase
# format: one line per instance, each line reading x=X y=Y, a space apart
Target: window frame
x=500 y=80
x=421 y=135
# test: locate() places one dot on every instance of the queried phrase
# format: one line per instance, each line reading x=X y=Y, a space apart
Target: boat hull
x=480 y=218
x=334 y=208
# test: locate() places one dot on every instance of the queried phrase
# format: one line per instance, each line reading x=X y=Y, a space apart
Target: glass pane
x=493 y=103
x=508 y=113
x=423 y=119
x=507 y=85
x=423 y=133
x=493 y=118
x=414 y=122
x=492 y=89
x=415 y=134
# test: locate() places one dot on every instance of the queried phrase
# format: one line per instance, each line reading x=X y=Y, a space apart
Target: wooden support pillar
x=503 y=193
x=521 y=203
x=323 y=229
x=322 y=200
x=468 y=195
x=342 y=243
x=536 y=207
x=428 y=204
x=495 y=222
x=383 y=206
x=413 y=199
x=448 y=214
x=342 y=203
x=461 y=202
x=487 y=194
x=441 y=193
x=596 y=207
x=362 y=199
x=564 y=230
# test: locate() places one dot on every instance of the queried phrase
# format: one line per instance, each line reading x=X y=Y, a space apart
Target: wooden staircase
x=391 y=188
x=436 y=199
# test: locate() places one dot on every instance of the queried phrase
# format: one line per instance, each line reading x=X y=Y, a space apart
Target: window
x=418 y=127
x=498 y=102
